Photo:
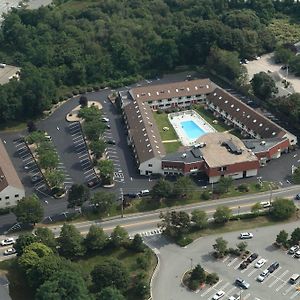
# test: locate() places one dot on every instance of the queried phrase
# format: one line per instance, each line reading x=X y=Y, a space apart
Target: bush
x=160 y=111
x=235 y=252
x=61 y=98
x=212 y=278
x=243 y=188
x=4 y=211
x=96 y=88
x=89 y=89
x=193 y=285
x=205 y=195
x=184 y=241
x=75 y=92
x=82 y=91
x=69 y=95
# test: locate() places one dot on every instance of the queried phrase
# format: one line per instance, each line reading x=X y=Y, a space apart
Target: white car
x=218 y=295
x=265 y=204
x=7 y=242
x=260 y=263
x=106 y=120
x=10 y=251
x=235 y=297
x=297 y=254
x=293 y=249
x=246 y=235
x=263 y=275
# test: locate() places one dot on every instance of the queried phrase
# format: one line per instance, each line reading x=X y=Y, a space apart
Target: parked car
x=218 y=295
x=7 y=242
x=260 y=263
x=242 y=283
x=235 y=297
x=10 y=251
x=297 y=254
x=111 y=142
x=93 y=182
x=36 y=178
x=246 y=235
x=273 y=267
x=265 y=204
x=294 y=278
x=131 y=195
x=263 y=275
x=252 y=257
x=106 y=120
x=297 y=197
x=244 y=265
x=108 y=126
x=144 y=193
x=293 y=249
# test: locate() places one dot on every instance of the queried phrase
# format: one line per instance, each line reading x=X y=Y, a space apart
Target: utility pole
x=191 y=263
x=271 y=193
x=122 y=204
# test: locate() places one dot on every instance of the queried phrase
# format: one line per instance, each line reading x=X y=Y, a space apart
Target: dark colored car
x=242 y=283
x=107 y=126
x=244 y=264
x=93 y=182
x=111 y=142
x=252 y=257
x=132 y=195
x=297 y=197
x=36 y=178
x=273 y=267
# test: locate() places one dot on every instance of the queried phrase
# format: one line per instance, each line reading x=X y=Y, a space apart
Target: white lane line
x=288 y=290
x=252 y=272
x=224 y=286
x=278 y=278
x=237 y=266
x=212 y=287
x=295 y=295
x=232 y=262
x=272 y=275
x=83 y=155
x=246 y=297
x=231 y=290
x=88 y=171
x=90 y=175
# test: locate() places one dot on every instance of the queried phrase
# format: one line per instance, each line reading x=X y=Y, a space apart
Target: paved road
x=175 y=261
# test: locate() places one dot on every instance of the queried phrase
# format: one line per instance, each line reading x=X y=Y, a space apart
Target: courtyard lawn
x=172 y=147
x=161 y=122
x=209 y=117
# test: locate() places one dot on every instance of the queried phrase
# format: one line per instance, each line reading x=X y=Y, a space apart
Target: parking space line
x=224 y=286
x=288 y=290
x=212 y=287
x=88 y=171
x=90 y=175
x=252 y=272
x=295 y=294
x=83 y=155
x=232 y=262
x=278 y=278
x=272 y=275
x=231 y=290
x=247 y=296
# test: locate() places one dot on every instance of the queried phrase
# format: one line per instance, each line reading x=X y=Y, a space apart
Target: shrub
x=69 y=95
x=243 y=188
x=89 y=89
x=96 y=88
x=193 y=284
x=82 y=91
x=61 y=98
x=205 y=195
x=212 y=278
x=75 y=92
x=160 y=111
x=184 y=241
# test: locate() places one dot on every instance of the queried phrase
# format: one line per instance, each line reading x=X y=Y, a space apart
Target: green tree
x=162 y=189
x=96 y=239
x=110 y=293
x=106 y=168
x=110 y=273
x=90 y=113
x=224 y=184
x=283 y=55
x=295 y=236
x=98 y=147
x=183 y=187
x=220 y=247
x=29 y=210
x=137 y=244
x=242 y=246
x=255 y=208
x=104 y=201
x=222 y=214
x=64 y=285
x=282 y=209
x=48 y=159
x=78 y=194
x=119 y=236
x=282 y=238
x=83 y=101
x=24 y=240
x=263 y=86
x=46 y=236
x=200 y=218
x=70 y=241
x=93 y=129
x=55 y=178
x=296 y=174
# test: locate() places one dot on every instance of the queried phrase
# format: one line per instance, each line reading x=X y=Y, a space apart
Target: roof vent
x=263 y=143
x=220 y=97
x=226 y=101
x=183 y=155
x=232 y=105
x=207 y=86
x=254 y=121
x=215 y=94
x=261 y=124
x=237 y=109
x=273 y=133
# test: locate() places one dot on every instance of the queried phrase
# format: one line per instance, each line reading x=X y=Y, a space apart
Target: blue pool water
x=192 y=130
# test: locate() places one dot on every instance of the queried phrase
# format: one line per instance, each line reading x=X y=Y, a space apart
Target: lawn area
x=20 y=290
x=209 y=117
x=163 y=121
x=285 y=31
x=172 y=147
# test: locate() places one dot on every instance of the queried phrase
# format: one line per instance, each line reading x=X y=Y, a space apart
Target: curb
x=154 y=272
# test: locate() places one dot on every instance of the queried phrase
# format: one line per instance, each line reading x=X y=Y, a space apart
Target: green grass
x=172 y=147
x=163 y=121
x=209 y=117
x=13 y=126
x=285 y=31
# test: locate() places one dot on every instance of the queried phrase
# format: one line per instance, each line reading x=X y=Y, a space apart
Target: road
x=147 y=222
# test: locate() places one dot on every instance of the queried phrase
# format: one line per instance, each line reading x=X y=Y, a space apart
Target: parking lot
x=175 y=261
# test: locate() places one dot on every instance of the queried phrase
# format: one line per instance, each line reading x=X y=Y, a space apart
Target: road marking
x=232 y=262
x=81 y=156
x=246 y=297
x=88 y=171
x=224 y=286
x=295 y=294
x=272 y=275
x=212 y=287
x=226 y=257
x=278 y=278
x=252 y=272
x=231 y=290
x=288 y=290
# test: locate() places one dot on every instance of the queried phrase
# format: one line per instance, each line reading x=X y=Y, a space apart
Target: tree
x=96 y=239
x=110 y=293
x=137 y=244
x=90 y=113
x=24 y=240
x=55 y=178
x=93 y=129
x=70 y=241
x=222 y=214
x=224 y=184
x=119 y=236
x=220 y=247
x=200 y=218
x=110 y=273
x=29 y=210
x=104 y=201
x=32 y=254
x=48 y=159
x=282 y=209
x=296 y=176
x=161 y=189
x=46 y=236
x=256 y=208
x=242 y=246
x=183 y=187
x=98 y=147
x=282 y=238
x=64 y=285
x=83 y=101
x=106 y=168
x=263 y=86
x=295 y=236
x=31 y=126
x=78 y=194
x=283 y=55
x=198 y=274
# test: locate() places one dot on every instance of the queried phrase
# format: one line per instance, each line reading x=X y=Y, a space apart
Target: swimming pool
x=192 y=130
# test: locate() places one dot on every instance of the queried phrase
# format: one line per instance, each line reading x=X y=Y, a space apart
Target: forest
x=74 y=44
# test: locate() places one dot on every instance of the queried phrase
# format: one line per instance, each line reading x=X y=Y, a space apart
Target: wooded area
x=89 y=43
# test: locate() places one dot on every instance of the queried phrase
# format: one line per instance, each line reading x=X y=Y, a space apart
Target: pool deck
x=190 y=115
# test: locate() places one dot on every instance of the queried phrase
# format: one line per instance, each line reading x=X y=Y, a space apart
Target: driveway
x=174 y=261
